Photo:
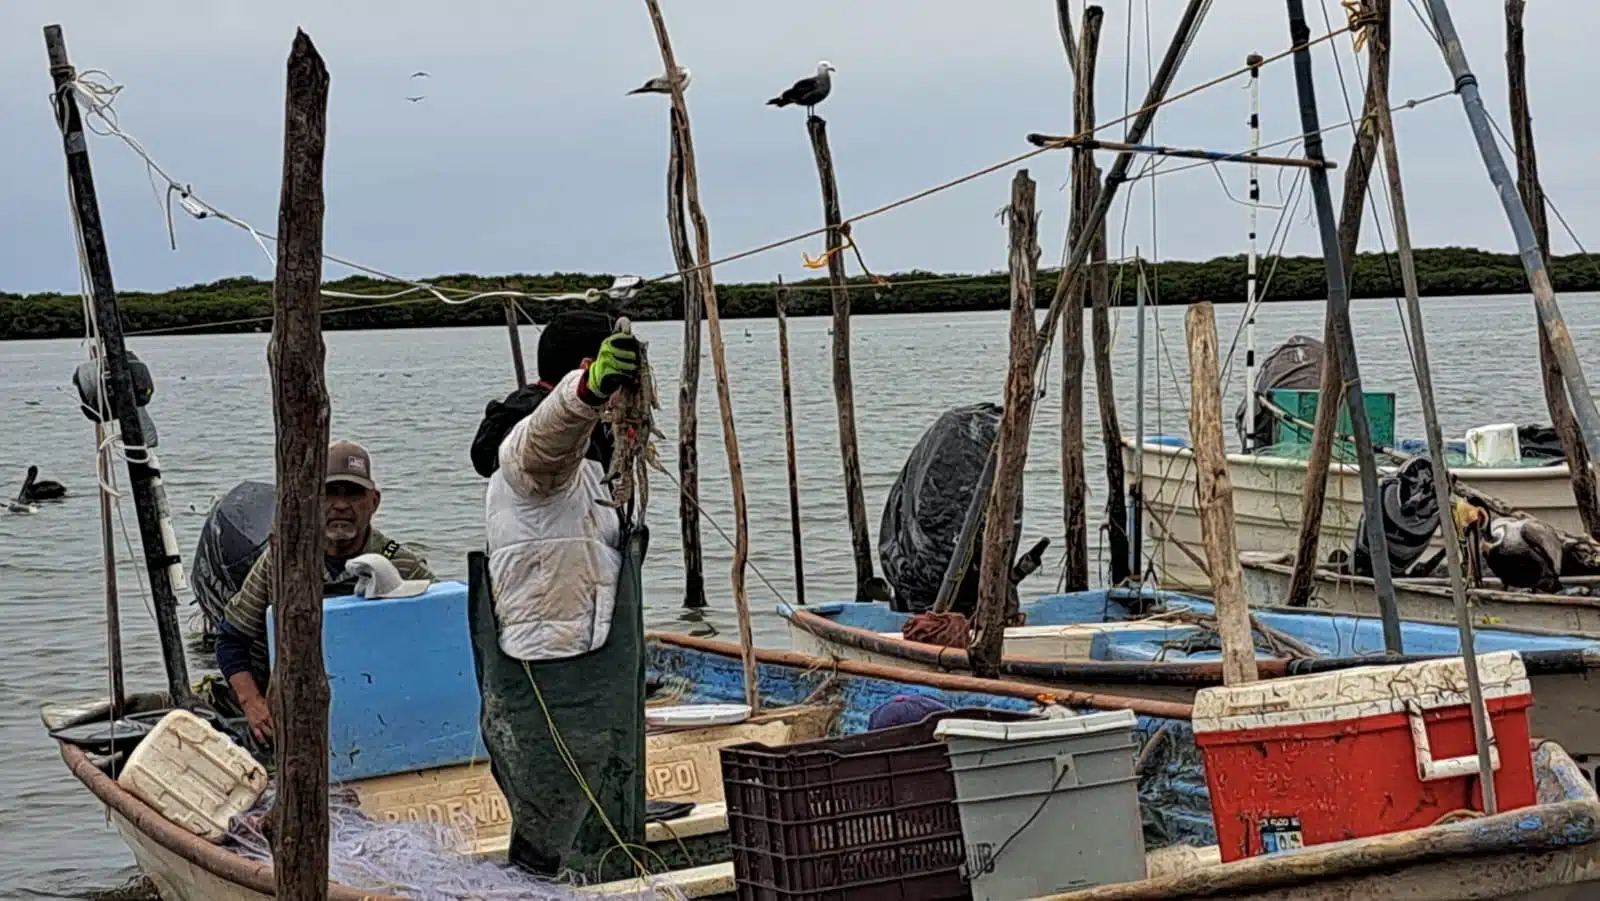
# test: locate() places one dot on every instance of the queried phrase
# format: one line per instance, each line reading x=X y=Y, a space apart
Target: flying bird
x=1524 y=553
x=808 y=92
x=415 y=99
x=660 y=85
x=420 y=74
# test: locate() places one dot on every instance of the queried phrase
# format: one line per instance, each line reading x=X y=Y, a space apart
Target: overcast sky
x=526 y=156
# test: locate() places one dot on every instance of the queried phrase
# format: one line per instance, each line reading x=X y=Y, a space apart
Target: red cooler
x=1358 y=752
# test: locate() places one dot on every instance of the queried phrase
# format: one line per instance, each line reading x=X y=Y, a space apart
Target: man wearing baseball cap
x=349 y=500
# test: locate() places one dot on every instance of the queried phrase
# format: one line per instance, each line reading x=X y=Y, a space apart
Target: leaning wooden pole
x=1085 y=185
x=108 y=559
x=1344 y=340
x=519 y=367
x=782 y=309
x=144 y=473
x=995 y=588
x=1441 y=472
x=300 y=417
x=843 y=383
x=1214 y=498
x=1544 y=295
x=694 y=581
x=719 y=359
x=1330 y=388
x=1555 y=393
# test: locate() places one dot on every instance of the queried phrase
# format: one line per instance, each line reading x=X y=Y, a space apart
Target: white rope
x=96 y=93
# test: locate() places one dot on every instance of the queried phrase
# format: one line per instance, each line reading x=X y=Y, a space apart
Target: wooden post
x=144 y=474
x=1214 y=497
x=1085 y=185
x=719 y=360
x=1555 y=392
x=1100 y=335
x=782 y=305
x=843 y=384
x=1344 y=340
x=995 y=588
x=694 y=581
x=300 y=414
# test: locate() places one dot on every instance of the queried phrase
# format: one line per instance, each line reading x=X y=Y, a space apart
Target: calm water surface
x=414 y=399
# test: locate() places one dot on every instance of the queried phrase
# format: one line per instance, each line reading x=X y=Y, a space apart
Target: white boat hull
x=1267 y=505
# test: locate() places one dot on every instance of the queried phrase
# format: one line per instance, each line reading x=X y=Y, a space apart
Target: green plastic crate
x=1303 y=404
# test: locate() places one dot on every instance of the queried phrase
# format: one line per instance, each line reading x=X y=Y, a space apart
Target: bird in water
x=660 y=85
x=34 y=490
x=1524 y=553
x=808 y=92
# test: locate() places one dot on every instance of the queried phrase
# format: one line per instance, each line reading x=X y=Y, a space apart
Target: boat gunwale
x=1263 y=461
x=1273 y=563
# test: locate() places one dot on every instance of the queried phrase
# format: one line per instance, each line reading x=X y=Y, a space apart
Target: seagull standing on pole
x=808 y=92
x=660 y=85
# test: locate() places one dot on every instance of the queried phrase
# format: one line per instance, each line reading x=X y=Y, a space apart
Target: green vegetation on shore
x=245 y=304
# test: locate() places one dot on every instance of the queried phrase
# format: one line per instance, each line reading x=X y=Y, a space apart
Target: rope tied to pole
x=1360 y=20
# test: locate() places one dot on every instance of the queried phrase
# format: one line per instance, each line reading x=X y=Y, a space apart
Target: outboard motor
x=234 y=534
x=928 y=504
x=1410 y=517
x=1296 y=363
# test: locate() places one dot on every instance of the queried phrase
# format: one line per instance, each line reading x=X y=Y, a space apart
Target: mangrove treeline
x=245 y=304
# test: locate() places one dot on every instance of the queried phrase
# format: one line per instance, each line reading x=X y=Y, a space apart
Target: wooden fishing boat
x=1267 y=494
x=803 y=697
x=1130 y=644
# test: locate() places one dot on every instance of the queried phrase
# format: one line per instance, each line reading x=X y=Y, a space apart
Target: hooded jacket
x=554 y=548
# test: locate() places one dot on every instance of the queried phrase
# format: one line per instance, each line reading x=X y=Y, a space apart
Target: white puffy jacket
x=554 y=550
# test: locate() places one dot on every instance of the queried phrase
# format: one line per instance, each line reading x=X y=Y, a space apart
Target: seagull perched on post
x=660 y=85
x=808 y=92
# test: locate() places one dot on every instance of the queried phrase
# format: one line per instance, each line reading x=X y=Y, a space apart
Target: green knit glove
x=616 y=366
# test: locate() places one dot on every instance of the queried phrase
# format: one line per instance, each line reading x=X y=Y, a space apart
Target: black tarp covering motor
x=927 y=506
x=1294 y=364
x=232 y=537
x=1410 y=517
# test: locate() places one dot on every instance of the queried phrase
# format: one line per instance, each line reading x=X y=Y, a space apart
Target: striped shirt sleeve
x=247 y=610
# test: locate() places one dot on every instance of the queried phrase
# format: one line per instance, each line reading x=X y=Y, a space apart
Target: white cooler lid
x=1028 y=730
x=1355 y=693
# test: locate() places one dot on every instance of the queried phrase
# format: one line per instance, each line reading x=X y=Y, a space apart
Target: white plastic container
x=193 y=775
x=1494 y=445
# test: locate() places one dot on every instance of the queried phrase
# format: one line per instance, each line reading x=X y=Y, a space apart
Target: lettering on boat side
x=672 y=779
x=477 y=809
x=1281 y=834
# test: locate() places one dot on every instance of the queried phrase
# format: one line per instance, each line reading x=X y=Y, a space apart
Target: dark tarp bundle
x=927 y=507
x=233 y=536
x=595 y=702
x=1296 y=363
x=1410 y=517
x=1540 y=442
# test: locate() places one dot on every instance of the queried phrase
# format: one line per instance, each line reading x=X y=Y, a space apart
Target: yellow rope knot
x=1360 y=19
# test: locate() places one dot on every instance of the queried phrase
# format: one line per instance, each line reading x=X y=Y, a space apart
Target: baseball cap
x=376 y=577
x=903 y=710
x=349 y=462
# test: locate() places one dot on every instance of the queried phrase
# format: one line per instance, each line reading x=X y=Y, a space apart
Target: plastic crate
x=868 y=817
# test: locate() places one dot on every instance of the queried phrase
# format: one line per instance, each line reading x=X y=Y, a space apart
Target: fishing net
x=424 y=860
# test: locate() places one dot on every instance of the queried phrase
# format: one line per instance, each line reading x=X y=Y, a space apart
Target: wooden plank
x=299 y=692
x=1214 y=498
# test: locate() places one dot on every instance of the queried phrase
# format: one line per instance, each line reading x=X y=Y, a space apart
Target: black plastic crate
x=868 y=817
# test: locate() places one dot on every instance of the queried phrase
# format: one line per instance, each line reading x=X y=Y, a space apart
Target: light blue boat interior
x=1334 y=635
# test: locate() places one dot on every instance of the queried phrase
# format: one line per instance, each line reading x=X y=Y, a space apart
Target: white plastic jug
x=1494 y=445
x=193 y=775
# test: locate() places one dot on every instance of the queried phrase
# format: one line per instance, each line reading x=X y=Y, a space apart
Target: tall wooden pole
x=1100 y=334
x=108 y=556
x=1344 y=340
x=1544 y=296
x=144 y=475
x=694 y=581
x=843 y=382
x=514 y=335
x=719 y=360
x=1441 y=472
x=995 y=588
x=1214 y=497
x=1085 y=185
x=300 y=416
x=1331 y=388
x=790 y=455
x=1555 y=393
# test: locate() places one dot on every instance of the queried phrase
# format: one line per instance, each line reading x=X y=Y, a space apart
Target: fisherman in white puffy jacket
x=556 y=612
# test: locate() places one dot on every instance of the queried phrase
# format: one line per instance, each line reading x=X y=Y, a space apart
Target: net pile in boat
x=423 y=860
